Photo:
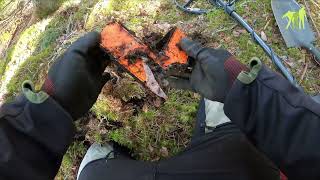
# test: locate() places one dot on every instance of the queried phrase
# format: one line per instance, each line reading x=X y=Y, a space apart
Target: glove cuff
x=233 y=67
x=48 y=87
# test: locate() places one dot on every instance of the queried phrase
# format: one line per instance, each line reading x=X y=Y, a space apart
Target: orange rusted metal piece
x=172 y=54
x=130 y=53
x=125 y=48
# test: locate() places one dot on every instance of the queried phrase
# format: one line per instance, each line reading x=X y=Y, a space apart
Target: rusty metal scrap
x=133 y=55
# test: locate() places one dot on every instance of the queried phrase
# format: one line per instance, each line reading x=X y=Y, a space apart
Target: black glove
x=213 y=74
x=75 y=80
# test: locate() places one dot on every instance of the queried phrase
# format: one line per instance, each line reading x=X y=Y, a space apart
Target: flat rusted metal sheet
x=130 y=53
x=125 y=48
x=171 y=53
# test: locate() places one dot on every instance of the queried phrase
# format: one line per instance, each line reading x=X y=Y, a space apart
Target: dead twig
x=304 y=71
x=265 y=27
x=313 y=22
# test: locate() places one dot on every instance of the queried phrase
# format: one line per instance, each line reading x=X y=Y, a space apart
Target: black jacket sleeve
x=33 y=139
x=280 y=120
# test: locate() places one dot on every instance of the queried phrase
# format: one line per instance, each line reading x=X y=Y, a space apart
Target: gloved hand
x=214 y=72
x=75 y=80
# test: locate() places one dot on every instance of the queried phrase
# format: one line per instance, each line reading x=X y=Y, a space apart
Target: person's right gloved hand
x=214 y=72
x=76 y=79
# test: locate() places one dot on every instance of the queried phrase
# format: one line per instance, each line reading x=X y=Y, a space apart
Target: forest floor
x=125 y=112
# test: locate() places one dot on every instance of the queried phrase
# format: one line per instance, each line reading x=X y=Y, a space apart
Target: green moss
x=35 y=38
x=170 y=14
x=52 y=32
x=28 y=41
x=25 y=46
x=4 y=62
x=5 y=37
x=46 y=7
x=128 y=89
x=65 y=168
x=71 y=159
x=121 y=136
x=148 y=115
x=27 y=71
x=33 y=48
x=135 y=21
x=252 y=7
x=7 y=7
x=102 y=108
x=181 y=103
x=152 y=130
x=295 y=53
x=218 y=19
x=101 y=9
x=2 y=3
x=120 y=5
x=84 y=10
x=98 y=138
x=249 y=49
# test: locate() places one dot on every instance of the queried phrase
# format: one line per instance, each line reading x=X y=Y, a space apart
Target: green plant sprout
x=296 y=19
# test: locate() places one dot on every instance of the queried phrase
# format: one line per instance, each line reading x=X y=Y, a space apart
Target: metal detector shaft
x=268 y=50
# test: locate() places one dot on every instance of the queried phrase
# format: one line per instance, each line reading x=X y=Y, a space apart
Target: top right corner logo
x=296 y=19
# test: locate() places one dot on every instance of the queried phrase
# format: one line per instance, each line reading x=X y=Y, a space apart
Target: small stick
x=304 y=71
x=265 y=27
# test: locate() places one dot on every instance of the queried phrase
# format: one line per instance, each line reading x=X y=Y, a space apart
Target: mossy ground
x=124 y=111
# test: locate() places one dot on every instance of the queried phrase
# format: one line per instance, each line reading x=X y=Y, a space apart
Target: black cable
x=190 y=10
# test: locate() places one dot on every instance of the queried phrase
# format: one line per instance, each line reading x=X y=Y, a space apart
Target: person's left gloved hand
x=213 y=74
x=76 y=79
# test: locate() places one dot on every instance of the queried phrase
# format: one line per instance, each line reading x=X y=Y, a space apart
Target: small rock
x=157 y=102
x=236 y=33
x=145 y=108
x=165 y=83
x=164 y=152
x=264 y=36
x=285 y=58
x=151 y=149
x=289 y=61
x=242 y=31
x=163 y=26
